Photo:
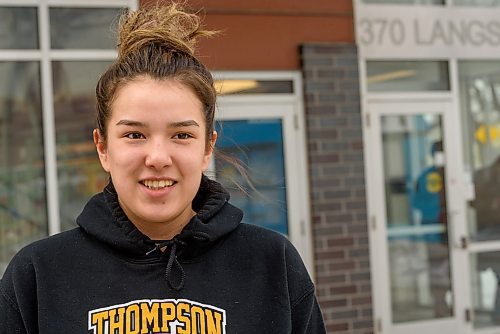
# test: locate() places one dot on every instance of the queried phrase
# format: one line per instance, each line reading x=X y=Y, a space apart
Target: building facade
x=289 y=107
x=429 y=92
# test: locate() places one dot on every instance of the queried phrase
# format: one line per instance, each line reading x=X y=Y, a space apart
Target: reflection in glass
x=407 y=76
x=416 y=217
x=79 y=171
x=485 y=271
x=18 y=28
x=258 y=145
x=23 y=216
x=240 y=86
x=83 y=28
x=480 y=112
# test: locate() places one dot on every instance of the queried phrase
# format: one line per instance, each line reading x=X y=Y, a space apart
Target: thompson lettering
x=158 y=316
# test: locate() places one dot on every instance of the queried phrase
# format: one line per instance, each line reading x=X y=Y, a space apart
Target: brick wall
x=334 y=131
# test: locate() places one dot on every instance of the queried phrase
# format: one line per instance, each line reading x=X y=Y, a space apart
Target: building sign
x=430 y=32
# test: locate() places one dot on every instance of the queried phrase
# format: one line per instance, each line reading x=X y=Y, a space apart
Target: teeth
x=155 y=184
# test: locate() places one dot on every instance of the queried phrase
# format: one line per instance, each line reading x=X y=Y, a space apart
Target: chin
x=158 y=220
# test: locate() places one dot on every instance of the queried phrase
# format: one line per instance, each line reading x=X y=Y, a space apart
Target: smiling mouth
x=157 y=184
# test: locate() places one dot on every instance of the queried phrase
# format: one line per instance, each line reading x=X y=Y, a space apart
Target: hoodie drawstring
x=171 y=247
x=172 y=259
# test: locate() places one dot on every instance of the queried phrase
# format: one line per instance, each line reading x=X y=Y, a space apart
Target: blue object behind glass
x=258 y=145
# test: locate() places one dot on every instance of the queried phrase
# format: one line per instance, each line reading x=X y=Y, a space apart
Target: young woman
x=160 y=250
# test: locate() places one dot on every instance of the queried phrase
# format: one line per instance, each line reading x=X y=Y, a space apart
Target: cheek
x=123 y=158
x=195 y=161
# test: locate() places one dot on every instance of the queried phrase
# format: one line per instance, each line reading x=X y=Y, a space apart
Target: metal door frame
x=409 y=105
x=289 y=109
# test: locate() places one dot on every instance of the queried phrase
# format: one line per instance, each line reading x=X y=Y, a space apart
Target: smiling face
x=156 y=152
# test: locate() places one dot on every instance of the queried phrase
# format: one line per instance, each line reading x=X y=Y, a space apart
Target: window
x=80 y=174
x=23 y=216
x=478 y=3
x=24 y=22
x=407 y=76
x=51 y=53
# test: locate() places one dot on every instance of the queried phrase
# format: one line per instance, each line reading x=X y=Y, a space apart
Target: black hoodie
x=106 y=277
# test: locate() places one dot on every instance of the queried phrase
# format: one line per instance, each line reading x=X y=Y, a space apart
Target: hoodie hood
x=104 y=219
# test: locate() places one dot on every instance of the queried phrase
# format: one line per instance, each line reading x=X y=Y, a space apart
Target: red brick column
x=334 y=132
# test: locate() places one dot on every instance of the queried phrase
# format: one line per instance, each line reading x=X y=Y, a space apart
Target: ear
x=209 y=151
x=102 y=151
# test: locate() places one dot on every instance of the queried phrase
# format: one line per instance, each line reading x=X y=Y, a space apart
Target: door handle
x=463 y=243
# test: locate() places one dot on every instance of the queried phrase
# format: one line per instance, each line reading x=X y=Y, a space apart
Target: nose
x=158 y=155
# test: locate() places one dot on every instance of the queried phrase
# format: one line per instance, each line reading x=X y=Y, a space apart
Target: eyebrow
x=128 y=122
x=180 y=124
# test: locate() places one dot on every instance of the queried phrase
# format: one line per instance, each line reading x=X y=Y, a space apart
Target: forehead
x=147 y=97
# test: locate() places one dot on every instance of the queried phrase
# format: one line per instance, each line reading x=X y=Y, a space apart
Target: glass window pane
x=23 y=216
x=480 y=112
x=406 y=2
x=416 y=218
x=485 y=271
x=258 y=145
x=236 y=86
x=83 y=28
x=18 y=28
x=484 y=3
x=407 y=76
x=80 y=173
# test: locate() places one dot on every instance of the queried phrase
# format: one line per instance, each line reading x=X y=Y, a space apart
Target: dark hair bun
x=167 y=26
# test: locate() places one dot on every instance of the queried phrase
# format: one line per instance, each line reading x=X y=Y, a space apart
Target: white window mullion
x=89 y=55
x=20 y=55
x=88 y=3
x=133 y=4
x=49 y=131
x=19 y=3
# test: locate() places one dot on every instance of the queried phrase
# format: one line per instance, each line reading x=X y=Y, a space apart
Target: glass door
x=259 y=186
x=260 y=159
x=480 y=112
x=411 y=203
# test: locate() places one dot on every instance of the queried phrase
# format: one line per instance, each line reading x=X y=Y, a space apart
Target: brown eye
x=134 y=135
x=182 y=136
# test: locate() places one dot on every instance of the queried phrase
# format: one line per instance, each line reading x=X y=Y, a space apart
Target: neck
x=160 y=230
x=164 y=230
